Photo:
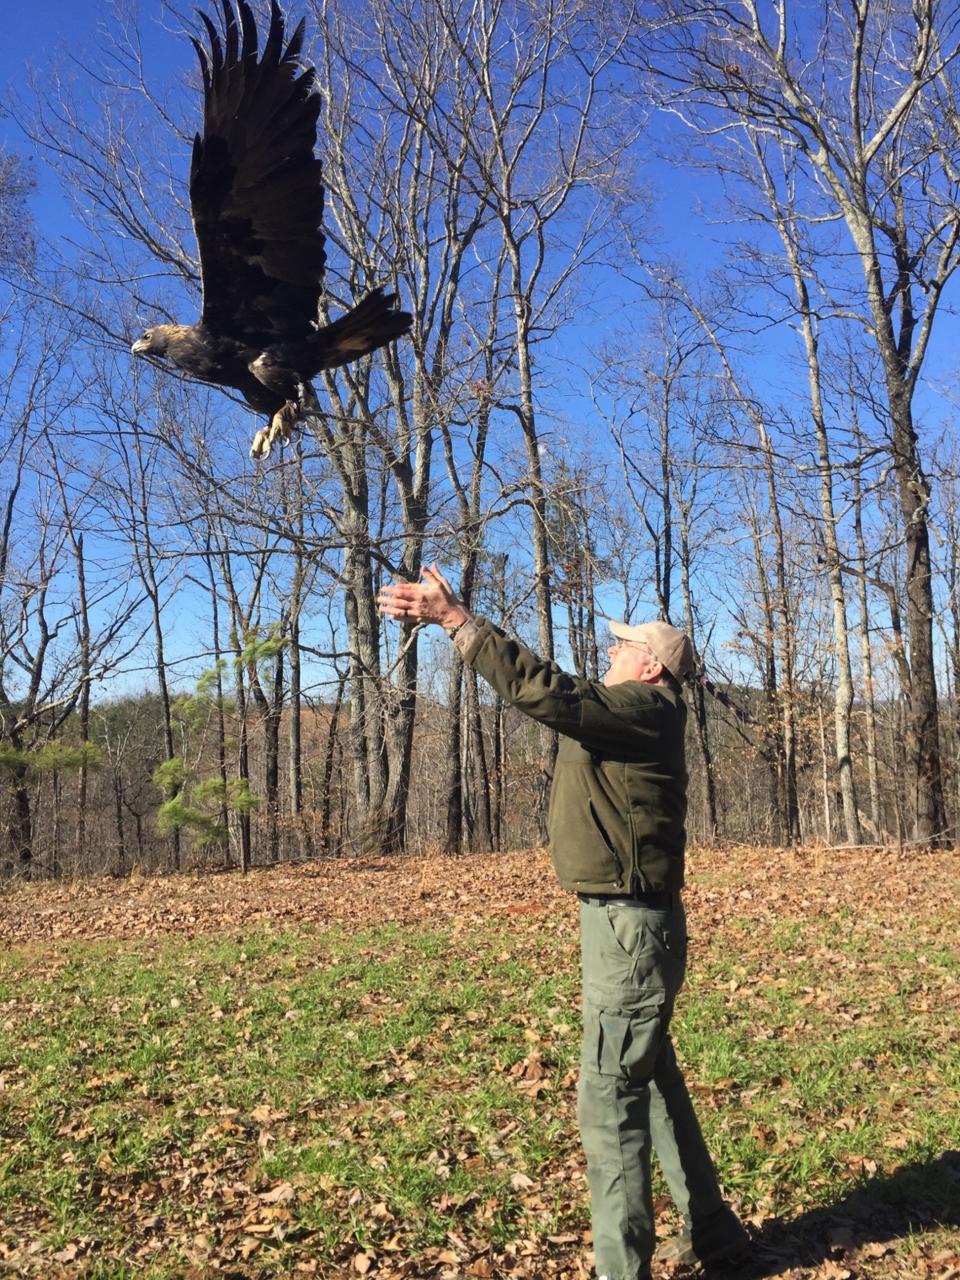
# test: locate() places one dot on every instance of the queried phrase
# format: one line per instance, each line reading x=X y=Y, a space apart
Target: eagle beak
x=140 y=346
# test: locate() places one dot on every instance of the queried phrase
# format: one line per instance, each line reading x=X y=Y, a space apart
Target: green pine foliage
x=196 y=802
x=51 y=756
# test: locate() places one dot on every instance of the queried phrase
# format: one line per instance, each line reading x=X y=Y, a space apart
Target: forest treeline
x=593 y=416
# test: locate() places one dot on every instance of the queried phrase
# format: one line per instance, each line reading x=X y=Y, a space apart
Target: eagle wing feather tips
x=261 y=256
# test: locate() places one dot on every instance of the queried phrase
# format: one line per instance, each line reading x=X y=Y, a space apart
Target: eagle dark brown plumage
x=256 y=197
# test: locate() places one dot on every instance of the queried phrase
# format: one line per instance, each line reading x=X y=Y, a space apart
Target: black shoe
x=720 y=1238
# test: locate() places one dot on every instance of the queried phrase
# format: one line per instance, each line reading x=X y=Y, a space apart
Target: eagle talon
x=284 y=420
x=281 y=425
x=260 y=449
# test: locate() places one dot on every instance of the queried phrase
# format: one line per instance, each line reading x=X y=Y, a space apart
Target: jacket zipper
x=618 y=883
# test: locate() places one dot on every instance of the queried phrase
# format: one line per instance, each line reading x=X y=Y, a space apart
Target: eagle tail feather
x=371 y=324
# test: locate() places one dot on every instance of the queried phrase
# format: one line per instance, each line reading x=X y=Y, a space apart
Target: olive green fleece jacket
x=619 y=797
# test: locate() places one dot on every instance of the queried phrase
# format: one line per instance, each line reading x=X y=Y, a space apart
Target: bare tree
x=866 y=661
x=558 y=63
x=481 y=91
x=864 y=99
x=772 y=168
x=666 y=422
x=777 y=605
x=473 y=515
x=16 y=225
x=139 y=472
x=51 y=650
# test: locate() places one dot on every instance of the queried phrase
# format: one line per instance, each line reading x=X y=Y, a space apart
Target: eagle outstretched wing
x=255 y=184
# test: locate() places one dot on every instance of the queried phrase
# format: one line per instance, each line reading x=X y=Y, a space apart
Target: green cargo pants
x=632 y=1094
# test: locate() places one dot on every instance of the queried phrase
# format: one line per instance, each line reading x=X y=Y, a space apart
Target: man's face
x=631 y=660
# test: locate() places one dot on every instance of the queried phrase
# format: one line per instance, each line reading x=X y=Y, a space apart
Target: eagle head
x=154 y=342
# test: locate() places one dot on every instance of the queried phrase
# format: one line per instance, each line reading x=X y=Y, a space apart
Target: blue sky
x=64 y=33
x=40 y=34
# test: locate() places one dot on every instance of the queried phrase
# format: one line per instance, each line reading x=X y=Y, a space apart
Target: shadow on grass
x=917 y=1197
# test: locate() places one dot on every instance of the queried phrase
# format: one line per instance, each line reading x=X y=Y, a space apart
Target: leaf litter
x=803 y=942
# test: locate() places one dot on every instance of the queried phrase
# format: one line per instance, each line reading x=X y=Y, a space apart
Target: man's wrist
x=455 y=620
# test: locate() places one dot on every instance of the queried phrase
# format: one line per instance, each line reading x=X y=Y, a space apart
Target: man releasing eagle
x=257 y=201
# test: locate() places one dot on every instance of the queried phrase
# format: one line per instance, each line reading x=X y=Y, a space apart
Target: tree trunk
x=927 y=810
x=218 y=659
x=952 y=539
x=56 y=838
x=538 y=537
x=498 y=583
x=121 y=851
x=866 y=659
x=483 y=820
x=824 y=774
x=272 y=761
x=243 y=748
x=83 y=705
x=22 y=822
x=772 y=730
x=785 y=641
x=453 y=782
x=295 y=722
x=367 y=743
x=326 y=786
x=699 y=698
x=843 y=696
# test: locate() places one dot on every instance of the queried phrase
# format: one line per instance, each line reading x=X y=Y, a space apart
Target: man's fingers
x=437 y=577
x=400 y=601
x=441 y=579
x=425 y=601
x=403 y=613
x=399 y=591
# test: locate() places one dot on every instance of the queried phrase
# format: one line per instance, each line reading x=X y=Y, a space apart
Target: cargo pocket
x=625 y=1043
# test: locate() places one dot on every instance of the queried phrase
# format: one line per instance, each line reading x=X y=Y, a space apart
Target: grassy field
x=369 y=1069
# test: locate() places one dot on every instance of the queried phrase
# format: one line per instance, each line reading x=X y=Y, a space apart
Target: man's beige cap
x=668 y=644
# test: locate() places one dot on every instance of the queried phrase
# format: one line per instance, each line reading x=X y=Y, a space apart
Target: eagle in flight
x=256 y=198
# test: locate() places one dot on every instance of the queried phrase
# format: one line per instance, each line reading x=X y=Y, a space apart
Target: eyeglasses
x=616 y=643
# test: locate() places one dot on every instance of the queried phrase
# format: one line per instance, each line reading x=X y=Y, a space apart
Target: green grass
x=286 y=1100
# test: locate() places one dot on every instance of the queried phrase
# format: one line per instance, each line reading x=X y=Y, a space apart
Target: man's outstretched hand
x=432 y=599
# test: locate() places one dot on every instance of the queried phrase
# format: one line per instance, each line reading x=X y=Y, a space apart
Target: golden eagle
x=257 y=202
